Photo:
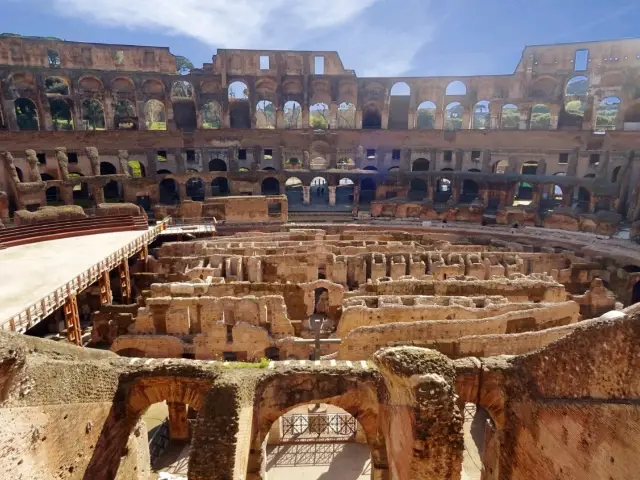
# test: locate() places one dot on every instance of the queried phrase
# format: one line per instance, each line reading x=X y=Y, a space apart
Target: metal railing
x=159 y=441
x=46 y=305
x=318 y=427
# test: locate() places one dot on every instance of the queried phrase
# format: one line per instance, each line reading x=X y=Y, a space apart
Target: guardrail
x=159 y=442
x=52 y=301
x=193 y=221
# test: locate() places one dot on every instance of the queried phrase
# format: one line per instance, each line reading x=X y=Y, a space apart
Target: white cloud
x=350 y=26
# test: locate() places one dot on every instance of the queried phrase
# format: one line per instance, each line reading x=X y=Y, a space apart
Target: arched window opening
x=80 y=192
x=510 y=117
x=344 y=191
x=60 y=114
x=181 y=90
x=270 y=186
x=417 y=190
x=56 y=86
x=453 y=116
x=53 y=58
x=481 y=115
x=292 y=163
x=107 y=168
x=606 y=113
x=399 y=106
x=319 y=193
x=371 y=118
x=529 y=168
x=93 y=115
x=303 y=435
x=501 y=166
x=524 y=194
x=456 y=88
x=420 y=165
x=426 y=116
x=125 y=117
x=155 y=115
x=614 y=175
x=293 y=191
x=346 y=115
x=26 y=114
x=572 y=115
x=319 y=116
x=169 y=191
x=469 y=191
x=577 y=86
x=443 y=190
x=217 y=165
x=540 y=117
x=195 y=189
x=219 y=187
x=265 y=114
x=292 y=115
x=239 y=109
x=137 y=169
x=211 y=115
x=112 y=192
x=238 y=91
x=584 y=199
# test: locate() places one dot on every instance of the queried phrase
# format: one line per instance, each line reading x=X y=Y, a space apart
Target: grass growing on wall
x=263 y=363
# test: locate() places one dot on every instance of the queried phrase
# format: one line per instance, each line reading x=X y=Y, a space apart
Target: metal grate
x=318 y=427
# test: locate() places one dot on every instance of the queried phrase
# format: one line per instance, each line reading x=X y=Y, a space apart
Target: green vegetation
x=183 y=65
x=263 y=363
x=17 y=35
x=426 y=119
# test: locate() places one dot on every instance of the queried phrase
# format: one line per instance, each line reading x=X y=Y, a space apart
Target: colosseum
x=269 y=267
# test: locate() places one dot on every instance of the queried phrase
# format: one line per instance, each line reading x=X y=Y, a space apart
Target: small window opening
x=581 y=60
x=448 y=155
x=395 y=154
x=229 y=356
x=594 y=159
x=371 y=153
x=242 y=154
x=118 y=57
x=319 y=65
x=563 y=158
x=149 y=58
x=42 y=158
x=72 y=157
x=191 y=156
x=54 y=58
x=229 y=333
x=268 y=154
x=475 y=155
x=162 y=155
x=275 y=209
x=264 y=62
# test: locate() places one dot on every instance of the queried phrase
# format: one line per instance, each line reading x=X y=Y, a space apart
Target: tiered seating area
x=13 y=236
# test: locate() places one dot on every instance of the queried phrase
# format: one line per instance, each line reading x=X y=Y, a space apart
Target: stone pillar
x=226 y=116
x=125 y=281
x=419 y=412
x=108 y=111
x=333 y=116
x=439 y=118
x=537 y=193
x=495 y=112
x=332 y=195
x=178 y=424
x=567 y=196
x=208 y=190
x=593 y=199
x=358 y=119
x=572 y=167
x=306 y=195
x=305 y=116
x=385 y=118
x=280 y=118
x=466 y=118
x=72 y=320
x=511 y=194
x=555 y=114
x=10 y=114
x=182 y=191
x=455 y=191
x=356 y=194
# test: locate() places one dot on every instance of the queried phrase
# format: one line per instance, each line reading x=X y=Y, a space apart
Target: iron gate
x=319 y=427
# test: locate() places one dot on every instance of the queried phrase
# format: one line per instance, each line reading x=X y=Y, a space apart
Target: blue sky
x=374 y=37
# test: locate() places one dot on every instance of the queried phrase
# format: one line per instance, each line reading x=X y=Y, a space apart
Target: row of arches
x=126 y=117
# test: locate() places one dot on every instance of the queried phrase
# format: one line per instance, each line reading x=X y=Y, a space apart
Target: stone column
x=494 y=112
x=555 y=114
x=178 y=424
x=466 y=118
x=306 y=195
x=419 y=412
x=385 y=118
x=332 y=195
x=589 y=119
x=572 y=167
x=10 y=114
x=280 y=118
x=455 y=191
x=208 y=190
x=356 y=194
x=182 y=191
x=108 y=110
x=439 y=118
x=525 y=113
x=305 y=116
x=333 y=116
x=358 y=119
x=567 y=196
x=593 y=199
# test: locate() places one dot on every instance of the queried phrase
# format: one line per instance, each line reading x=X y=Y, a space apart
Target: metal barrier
x=159 y=441
x=318 y=427
x=54 y=300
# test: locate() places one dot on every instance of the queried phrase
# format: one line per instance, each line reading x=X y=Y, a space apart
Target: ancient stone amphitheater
x=197 y=323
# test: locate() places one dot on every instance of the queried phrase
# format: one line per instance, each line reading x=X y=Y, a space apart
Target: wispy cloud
x=360 y=30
